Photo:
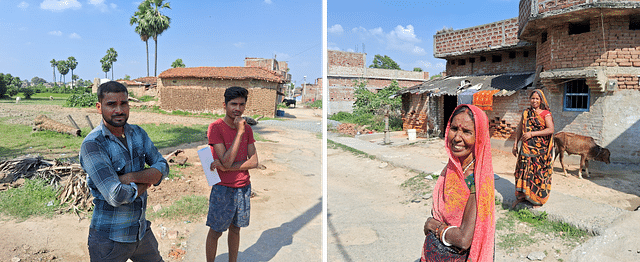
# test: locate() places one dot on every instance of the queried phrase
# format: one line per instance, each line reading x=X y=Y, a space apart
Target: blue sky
x=404 y=30
x=209 y=33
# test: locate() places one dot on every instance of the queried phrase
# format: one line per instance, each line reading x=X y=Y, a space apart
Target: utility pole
x=304 y=88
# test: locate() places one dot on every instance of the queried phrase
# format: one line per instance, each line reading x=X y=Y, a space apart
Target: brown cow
x=584 y=146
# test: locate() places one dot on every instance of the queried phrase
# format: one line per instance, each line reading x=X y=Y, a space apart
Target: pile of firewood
x=500 y=129
x=23 y=167
x=353 y=129
x=75 y=191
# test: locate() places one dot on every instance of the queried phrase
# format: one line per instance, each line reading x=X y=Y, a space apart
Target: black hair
x=461 y=110
x=110 y=87
x=235 y=92
x=543 y=106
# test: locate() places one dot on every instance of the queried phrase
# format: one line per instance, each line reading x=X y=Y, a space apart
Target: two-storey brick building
x=584 y=54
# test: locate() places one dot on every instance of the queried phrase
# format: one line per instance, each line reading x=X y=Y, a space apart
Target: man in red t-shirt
x=234 y=153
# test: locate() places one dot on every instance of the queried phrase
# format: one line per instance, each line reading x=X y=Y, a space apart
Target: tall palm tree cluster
x=151 y=23
x=63 y=67
x=107 y=61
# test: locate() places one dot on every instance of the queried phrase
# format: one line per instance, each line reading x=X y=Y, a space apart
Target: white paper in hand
x=206 y=158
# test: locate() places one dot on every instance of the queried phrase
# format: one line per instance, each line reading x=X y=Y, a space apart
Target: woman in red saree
x=463 y=224
x=533 y=169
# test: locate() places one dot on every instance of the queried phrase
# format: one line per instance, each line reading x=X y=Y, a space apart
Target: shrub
x=28 y=92
x=12 y=92
x=316 y=104
x=81 y=100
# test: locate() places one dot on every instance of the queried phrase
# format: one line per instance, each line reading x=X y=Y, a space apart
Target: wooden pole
x=89 y=121
x=73 y=122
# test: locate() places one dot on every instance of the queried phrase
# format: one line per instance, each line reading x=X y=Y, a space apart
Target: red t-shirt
x=220 y=133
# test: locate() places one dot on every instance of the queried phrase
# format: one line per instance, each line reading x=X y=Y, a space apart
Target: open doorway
x=449 y=104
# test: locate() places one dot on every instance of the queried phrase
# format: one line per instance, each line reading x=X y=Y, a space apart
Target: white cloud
x=101 y=5
x=114 y=6
x=56 y=33
x=423 y=64
x=268 y=1
x=333 y=46
x=335 y=29
x=351 y=50
x=405 y=40
x=23 y=5
x=400 y=38
x=61 y=5
x=240 y=44
x=74 y=36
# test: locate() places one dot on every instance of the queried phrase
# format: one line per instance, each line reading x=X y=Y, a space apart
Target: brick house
x=201 y=89
x=345 y=67
x=584 y=54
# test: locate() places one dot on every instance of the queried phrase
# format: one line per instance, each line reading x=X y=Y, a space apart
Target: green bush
x=12 y=92
x=81 y=100
x=375 y=122
x=316 y=104
x=28 y=92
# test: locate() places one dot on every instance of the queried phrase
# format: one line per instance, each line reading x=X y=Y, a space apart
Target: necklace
x=468 y=165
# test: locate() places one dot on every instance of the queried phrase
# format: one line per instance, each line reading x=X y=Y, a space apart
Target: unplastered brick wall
x=484 y=37
x=421 y=114
x=627 y=81
x=265 y=63
x=337 y=93
x=207 y=95
x=506 y=113
x=562 y=50
x=519 y=63
x=544 y=6
x=312 y=92
x=345 y=59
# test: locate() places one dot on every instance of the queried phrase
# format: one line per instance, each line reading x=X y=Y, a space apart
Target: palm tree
x=63 y=68
x=106 y=65
x=142 y=28
x=112 y=56
x=72 y=63
x=157 y=22
x=54 y=64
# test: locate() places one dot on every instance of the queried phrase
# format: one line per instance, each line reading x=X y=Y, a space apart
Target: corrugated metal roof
x=507 y=83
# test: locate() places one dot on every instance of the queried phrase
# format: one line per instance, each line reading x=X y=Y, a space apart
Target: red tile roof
x=147 y=79
x=229 y=73
x=130 y=82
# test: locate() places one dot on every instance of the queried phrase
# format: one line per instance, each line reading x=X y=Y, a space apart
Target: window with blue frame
x=576 y=95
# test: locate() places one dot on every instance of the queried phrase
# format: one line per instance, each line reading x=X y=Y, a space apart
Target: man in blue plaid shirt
x=114 y=155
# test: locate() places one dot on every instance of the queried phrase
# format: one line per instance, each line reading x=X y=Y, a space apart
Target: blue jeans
x=101 y=248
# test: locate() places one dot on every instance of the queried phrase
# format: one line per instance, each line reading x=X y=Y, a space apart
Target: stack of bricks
x=415 y=121
x=500 y=129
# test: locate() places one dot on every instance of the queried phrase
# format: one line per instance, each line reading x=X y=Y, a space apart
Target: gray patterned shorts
x=228 y=205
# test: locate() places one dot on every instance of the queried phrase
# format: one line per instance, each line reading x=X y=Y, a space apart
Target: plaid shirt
x=119 y=211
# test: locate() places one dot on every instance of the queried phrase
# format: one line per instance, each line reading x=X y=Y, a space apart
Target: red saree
x=450 y=194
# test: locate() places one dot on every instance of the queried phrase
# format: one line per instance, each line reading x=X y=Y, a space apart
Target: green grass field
x=20 y=139
x=39 y=99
